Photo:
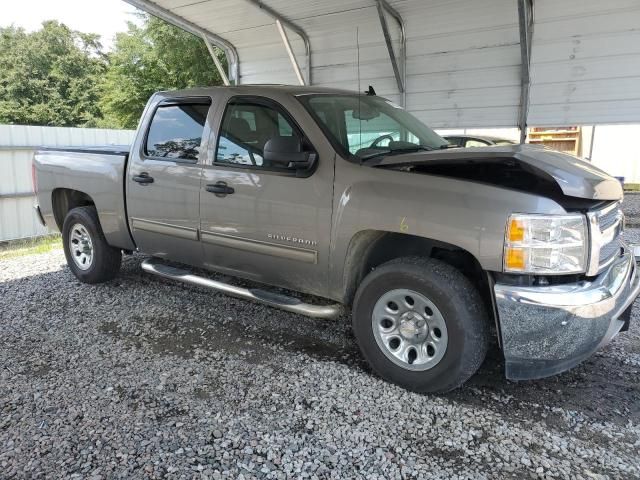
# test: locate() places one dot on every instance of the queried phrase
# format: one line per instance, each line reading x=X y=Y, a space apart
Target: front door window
x=246 y=128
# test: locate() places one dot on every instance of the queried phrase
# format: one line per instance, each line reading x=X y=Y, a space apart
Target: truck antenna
x=359 y=90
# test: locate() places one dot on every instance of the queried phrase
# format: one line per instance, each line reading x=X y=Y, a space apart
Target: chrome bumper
x=547 y=330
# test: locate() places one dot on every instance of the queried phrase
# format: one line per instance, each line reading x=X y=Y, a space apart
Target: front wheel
x=421 y=324
x=89 y=256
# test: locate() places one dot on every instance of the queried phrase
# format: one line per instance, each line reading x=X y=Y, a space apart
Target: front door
x=163 y=180
x=263 y=219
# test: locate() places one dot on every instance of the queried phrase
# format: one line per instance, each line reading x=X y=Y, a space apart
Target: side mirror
x=288 y=152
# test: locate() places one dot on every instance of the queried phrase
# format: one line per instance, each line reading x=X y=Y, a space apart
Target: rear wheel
x=421 y=324
x=89 y=256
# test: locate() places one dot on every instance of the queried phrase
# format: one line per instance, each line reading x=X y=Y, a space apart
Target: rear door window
x=175 y=132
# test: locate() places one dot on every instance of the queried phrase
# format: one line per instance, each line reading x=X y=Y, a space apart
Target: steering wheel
x=374 y=144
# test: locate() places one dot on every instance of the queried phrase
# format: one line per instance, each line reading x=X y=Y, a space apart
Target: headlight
x=546 y=244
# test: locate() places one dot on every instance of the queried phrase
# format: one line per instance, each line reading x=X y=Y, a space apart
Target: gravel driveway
x=144 y=378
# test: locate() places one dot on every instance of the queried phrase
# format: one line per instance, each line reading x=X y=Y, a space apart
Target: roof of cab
x=296 y=90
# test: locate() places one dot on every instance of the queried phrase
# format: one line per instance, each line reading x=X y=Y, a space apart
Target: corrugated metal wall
x=585 y=62
x=463 y=57
x=17 y=144
x=463 y=60
x=463 y=65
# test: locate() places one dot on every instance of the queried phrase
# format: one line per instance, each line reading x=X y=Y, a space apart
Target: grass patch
x=30 y=246
x=632 y=187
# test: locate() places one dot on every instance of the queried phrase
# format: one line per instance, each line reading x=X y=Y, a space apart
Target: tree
x=60 y=77
x=50 y=76
x=154 y=56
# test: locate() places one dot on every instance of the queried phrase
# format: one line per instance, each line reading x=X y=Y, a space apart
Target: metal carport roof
x=468 y=63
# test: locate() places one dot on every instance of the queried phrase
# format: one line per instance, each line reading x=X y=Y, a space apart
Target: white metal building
x=460 y=63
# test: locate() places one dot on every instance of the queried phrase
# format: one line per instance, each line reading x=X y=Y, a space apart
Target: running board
x=276 y=300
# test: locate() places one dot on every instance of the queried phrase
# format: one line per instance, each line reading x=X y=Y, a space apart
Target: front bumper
x=546 y=330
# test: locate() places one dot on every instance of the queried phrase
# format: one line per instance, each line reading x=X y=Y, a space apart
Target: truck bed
x=94 y=149
x=85 y=175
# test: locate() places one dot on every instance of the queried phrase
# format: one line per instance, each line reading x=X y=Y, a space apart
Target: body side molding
x=258 y=246
x=164 y=228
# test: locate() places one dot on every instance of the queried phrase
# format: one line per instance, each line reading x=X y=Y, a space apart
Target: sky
x=104 y=17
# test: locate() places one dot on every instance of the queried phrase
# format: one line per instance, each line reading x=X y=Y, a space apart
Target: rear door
x=163 y=179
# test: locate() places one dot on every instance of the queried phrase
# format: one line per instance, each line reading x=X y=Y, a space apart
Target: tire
x=448 y=346
x=104 y=262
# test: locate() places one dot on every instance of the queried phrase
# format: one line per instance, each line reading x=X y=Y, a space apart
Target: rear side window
x=176 y=131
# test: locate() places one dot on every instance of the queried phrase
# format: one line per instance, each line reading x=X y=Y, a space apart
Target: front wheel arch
x=369 y=249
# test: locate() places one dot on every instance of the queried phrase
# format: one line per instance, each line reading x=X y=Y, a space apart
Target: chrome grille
x=606 y=243
x=608 y=251
x=609 y=218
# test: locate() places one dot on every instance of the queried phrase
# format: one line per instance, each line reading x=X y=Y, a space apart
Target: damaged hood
x=575 y=177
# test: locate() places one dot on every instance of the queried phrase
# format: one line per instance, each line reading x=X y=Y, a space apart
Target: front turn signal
x=515 y=259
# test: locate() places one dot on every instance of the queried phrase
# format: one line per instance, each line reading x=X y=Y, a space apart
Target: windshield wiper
x=394 y=151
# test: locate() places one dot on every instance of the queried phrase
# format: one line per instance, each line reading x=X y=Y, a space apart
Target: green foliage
x=49 y=77
x=59 y=77
x=155 y=56
x=30 y=246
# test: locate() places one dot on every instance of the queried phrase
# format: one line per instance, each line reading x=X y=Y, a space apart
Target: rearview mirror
x=365 y=112
x=287 y=151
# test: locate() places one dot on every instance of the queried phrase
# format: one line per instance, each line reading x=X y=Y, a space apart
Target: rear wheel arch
x=89 y=256
x=63 y=200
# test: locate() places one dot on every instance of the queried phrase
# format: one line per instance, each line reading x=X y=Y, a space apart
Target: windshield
x=368 y=126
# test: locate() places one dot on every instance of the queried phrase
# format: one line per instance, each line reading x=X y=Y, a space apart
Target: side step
x=276 y=300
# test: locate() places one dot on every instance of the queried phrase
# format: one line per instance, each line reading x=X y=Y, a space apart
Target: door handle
x=142 y=178
x=221 y=189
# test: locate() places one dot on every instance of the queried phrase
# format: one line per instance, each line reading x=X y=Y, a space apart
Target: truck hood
x=576 y=178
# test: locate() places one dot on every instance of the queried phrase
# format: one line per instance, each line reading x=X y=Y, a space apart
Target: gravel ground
x=141 y=378
x=631 y=208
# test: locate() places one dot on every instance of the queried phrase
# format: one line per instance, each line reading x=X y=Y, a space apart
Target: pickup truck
x=346 y=198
